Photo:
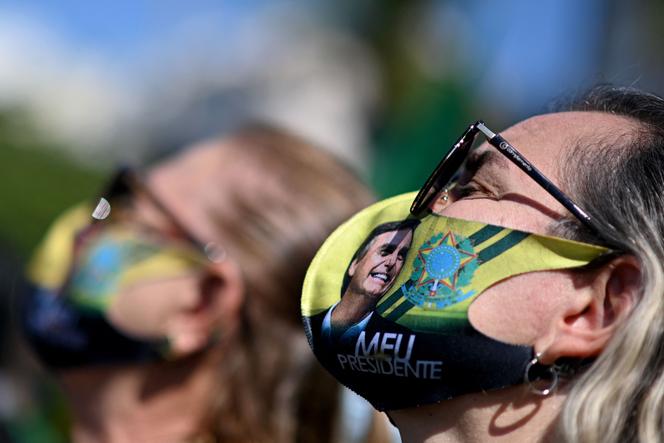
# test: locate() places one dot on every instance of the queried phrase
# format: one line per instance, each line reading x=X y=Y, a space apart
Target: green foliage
x=413 y=139
x=37 y=183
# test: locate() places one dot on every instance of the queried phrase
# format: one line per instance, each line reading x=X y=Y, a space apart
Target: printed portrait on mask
x=369 y=276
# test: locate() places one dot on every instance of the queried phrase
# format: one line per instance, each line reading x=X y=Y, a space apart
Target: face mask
x=76 y=273
x=385 y=302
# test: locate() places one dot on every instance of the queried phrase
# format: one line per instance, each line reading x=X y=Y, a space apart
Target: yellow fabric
x=52 y=262
x=154 y=262
x=325 y=274
x=530 y=253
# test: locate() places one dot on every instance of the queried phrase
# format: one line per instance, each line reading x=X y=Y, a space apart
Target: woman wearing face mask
x=176 y=318
x=529 y=305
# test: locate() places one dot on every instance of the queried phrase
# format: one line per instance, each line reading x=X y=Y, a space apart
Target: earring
x=550 y=369
x=445 y=195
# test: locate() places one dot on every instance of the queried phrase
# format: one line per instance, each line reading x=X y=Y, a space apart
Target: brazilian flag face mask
x=76 y=274
x=385 y=302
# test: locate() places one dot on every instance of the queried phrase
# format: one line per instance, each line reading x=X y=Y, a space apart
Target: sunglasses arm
x=515 y=156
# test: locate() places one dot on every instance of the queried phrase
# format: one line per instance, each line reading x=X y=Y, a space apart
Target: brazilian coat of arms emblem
x=444 y=266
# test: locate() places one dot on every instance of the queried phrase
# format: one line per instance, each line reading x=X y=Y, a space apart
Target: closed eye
x=468 y=183
x=472 y=189
x=465 y=190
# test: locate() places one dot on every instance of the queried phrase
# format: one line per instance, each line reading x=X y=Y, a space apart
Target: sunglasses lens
x=443 y=174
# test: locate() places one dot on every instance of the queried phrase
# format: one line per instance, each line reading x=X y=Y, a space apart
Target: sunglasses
x=447 y=169
x=126 y=183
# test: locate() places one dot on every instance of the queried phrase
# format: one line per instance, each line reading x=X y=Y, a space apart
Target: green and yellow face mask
x=385 y=302
x=77 y=272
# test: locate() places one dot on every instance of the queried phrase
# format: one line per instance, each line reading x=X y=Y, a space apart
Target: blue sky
x=123 y=30
x=518 y=54
x=531 y=49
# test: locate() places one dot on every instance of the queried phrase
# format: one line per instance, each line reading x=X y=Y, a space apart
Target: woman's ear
x=211 y=308
x=595 y=312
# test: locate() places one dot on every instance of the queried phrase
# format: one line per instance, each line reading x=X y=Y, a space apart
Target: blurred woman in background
x=176 y=318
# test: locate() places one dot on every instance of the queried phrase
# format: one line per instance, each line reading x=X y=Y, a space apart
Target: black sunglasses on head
x=441 y=177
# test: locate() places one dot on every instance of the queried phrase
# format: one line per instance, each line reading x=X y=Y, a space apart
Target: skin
x=185 y=308
x=559 y=313
x=372 y=276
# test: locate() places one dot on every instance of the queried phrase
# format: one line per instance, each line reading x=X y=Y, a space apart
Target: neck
x=508 y=415
x=141 y=402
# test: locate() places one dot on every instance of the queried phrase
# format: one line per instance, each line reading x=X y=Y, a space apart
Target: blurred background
x=386 y=84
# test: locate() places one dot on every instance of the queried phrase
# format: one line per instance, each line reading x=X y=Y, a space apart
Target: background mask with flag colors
x=77 y=272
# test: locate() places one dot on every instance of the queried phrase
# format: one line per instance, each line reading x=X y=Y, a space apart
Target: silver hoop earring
x=552 y=371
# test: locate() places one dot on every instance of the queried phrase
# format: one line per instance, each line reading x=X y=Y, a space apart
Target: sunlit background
x=386 y=84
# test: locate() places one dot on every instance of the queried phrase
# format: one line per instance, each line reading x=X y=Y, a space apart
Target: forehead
x=189 y=184
x=391 y=237
x=546 y=139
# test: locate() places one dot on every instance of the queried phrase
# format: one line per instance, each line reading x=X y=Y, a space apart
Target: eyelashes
x=463 y=191
x=472 y=189
x=464 y=183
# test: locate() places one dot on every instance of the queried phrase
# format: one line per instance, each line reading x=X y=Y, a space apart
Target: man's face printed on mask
x=373 y=273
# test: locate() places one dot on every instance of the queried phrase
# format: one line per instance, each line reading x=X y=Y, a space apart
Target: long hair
x=619 y=180
x=280 y=198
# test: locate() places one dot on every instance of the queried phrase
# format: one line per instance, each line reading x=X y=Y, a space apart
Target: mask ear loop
x=555 y=378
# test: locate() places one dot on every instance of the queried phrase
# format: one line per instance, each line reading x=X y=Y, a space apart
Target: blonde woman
x=176 y=318
x=530 y=306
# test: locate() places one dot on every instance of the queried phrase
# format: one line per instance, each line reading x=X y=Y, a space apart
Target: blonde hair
x=620 y=398
x=280 y=198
